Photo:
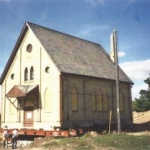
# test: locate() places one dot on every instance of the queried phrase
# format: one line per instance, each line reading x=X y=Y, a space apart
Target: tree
x=143 y=103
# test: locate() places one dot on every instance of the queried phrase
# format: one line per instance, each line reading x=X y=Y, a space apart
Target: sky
x=92 y=20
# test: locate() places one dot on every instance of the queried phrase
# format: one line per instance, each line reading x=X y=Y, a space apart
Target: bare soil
x=141 y=117
x=141 y=122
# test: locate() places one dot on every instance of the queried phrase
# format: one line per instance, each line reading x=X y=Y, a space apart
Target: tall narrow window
x=74 y=100
x=121 y=103
x=26 y=74
x=47 y=101
x=31 y=73
x=105 y=99
x=12 y=108
x=100 y=101
x=93 y=101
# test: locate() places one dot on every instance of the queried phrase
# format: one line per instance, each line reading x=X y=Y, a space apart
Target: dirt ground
x=141 y=123
x=141 y=117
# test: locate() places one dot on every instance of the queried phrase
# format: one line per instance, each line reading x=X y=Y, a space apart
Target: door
x=28 y=116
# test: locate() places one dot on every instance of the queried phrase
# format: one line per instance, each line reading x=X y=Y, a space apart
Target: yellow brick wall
x=85 y=87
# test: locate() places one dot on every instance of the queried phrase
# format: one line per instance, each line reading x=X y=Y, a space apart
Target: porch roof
x=20 y=90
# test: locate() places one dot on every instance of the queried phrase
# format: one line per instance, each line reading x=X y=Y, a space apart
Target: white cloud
x=121 y=54
x=102 y=2
x=95 y=2
x=135 y=1
x=136 y=89
x=138 y=71
x=5 y=0
x=87 y=31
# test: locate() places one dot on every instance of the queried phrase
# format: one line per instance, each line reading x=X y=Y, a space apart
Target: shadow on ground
x=141 y=127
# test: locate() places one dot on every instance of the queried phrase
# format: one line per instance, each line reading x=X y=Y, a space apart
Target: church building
x=53 y=79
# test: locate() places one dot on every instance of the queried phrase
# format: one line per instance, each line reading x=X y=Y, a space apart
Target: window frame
x=26 y=74
x=94 y=101
x=105 y=102
x=32 y=73
x=74 y=99
x=121 y=102
x=100 y=101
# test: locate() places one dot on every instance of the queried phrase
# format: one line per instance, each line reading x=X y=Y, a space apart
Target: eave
x=11 y=58
x=86 y=76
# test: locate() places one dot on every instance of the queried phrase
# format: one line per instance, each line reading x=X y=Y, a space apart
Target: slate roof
x=71 y=54
x=77 y=56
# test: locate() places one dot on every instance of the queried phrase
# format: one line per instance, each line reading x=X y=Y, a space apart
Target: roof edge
x=66 y=73
x=73 y=36
x=23 y=31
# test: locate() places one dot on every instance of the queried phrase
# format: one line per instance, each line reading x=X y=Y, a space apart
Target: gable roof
x=73 y=55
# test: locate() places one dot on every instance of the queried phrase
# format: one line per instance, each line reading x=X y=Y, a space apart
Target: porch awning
x=20 y=90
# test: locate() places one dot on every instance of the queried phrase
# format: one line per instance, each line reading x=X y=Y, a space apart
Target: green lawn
x=105 y=142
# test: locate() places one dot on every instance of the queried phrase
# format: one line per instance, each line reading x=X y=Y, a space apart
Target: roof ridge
x=60 y=32
x=72 y=36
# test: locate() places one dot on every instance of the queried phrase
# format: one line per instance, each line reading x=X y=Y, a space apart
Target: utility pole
x=117 y=78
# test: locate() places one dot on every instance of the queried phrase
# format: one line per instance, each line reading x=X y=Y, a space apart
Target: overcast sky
x=93 y=20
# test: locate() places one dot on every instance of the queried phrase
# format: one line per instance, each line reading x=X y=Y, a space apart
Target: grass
x=108 y=141
x=124 y=142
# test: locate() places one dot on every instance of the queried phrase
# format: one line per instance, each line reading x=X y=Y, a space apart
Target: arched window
x=121 y=102
x=74 y=100
x=31 y=73
x=26 y=74
x=105 y=100
x=12 y=109
x=100 y=101
x=93 y=101
x=47 y=101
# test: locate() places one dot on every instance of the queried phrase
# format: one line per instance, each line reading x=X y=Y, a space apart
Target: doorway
x=28 y=116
